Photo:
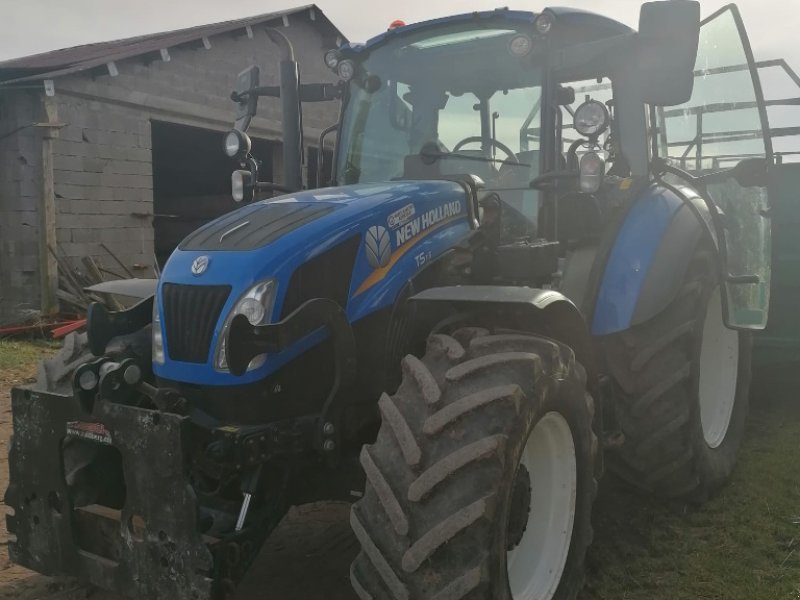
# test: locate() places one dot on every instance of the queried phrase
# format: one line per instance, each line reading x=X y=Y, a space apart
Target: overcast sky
x=31 y=26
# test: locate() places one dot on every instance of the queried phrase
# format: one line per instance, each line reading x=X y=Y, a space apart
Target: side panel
x=647 y=261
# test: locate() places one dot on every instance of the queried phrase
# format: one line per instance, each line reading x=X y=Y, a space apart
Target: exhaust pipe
x=292 y=116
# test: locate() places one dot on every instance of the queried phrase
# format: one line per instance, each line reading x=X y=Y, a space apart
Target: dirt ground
x=740 y=546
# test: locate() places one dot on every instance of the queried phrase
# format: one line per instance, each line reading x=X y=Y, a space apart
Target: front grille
x=190 y=314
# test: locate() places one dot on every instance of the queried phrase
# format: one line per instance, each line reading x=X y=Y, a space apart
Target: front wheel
x=481 y=480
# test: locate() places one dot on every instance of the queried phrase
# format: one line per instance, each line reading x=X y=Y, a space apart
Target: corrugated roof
x=49 y=65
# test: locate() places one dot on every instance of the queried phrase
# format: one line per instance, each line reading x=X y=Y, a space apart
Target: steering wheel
x=476 y=139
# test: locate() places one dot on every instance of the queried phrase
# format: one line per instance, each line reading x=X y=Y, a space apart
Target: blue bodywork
x=631 y=257
x=422 y=219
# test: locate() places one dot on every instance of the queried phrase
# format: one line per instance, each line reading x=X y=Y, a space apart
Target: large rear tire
x=682 y=392
x=481 y=480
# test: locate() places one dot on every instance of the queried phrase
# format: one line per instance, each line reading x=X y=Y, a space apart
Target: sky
x=32 y=26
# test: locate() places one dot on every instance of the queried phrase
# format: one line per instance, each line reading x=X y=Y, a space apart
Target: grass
x=23 y=355
x=744 y=544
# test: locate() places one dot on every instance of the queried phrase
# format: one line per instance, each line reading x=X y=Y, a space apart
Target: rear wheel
x=683 y=382
x=480 y=482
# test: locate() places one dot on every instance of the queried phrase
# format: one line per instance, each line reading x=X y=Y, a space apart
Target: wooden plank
x=48 y=266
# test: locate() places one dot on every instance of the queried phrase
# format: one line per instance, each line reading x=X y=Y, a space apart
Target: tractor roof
x=576 y=25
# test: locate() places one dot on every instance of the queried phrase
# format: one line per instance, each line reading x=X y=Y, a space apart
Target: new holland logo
x=378 y=246
x=200 y=265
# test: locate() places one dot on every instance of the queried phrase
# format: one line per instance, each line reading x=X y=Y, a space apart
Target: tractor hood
x=381 y=234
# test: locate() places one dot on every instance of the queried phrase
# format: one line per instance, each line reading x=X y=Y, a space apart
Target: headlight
x=346 y=69
x=158 y=335
x=591 y=118
x=256 y=304
x=236 y=143
x=592 y=169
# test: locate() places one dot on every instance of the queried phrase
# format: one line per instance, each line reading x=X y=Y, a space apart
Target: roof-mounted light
x=346 y=69
x=544 y=23
x=520 y=45
x=396 y=24
x=332 y=59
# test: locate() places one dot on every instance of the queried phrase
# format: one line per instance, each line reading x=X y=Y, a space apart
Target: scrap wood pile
x=73 y=281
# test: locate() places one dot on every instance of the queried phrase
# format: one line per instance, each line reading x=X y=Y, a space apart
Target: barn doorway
x=192 y=181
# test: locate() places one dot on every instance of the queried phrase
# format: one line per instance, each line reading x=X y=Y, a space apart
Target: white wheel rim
x=719 y=371
x=535 y=566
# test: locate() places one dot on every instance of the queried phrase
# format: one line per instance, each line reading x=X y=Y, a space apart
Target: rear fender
x=649 y=257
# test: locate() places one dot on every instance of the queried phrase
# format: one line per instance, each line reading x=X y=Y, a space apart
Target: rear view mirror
x=669 y=33
x=246 y=104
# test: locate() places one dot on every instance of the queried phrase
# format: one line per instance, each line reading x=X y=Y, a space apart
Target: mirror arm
x=273 y=91
x=268 y=186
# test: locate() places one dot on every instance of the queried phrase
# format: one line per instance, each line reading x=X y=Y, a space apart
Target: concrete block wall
x=20 y=190
x=103 y=177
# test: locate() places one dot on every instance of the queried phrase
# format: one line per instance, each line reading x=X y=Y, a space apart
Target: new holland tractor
x=527 y=270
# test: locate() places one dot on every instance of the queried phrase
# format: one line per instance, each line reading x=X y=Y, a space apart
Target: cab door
x=726 y=122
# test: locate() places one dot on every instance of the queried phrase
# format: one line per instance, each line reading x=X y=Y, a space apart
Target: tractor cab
x=466 y=97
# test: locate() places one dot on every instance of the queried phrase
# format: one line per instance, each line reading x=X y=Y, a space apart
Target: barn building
x=116 y=147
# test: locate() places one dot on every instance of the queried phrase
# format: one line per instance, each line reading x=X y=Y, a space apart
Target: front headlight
x=256 y=304
x=158 y=335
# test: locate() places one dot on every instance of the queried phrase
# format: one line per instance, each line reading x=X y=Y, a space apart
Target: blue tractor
x=507 y=288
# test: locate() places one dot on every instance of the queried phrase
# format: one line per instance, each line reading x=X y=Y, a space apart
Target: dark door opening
x=192 y=181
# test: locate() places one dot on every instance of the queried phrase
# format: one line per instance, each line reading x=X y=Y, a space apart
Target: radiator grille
x=190 y=315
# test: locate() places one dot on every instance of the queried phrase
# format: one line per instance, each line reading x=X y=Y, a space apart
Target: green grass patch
x=744 y=544
x=19 y=355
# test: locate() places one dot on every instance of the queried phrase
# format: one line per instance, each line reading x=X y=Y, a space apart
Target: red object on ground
x=63 y=330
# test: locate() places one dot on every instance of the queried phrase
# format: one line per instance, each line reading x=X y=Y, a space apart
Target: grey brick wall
x=102 y=157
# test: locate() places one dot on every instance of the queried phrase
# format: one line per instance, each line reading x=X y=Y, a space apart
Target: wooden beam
x=165 y=55
x=48 y=267
x=112 y=68
x=249 y=31
x=206 y=43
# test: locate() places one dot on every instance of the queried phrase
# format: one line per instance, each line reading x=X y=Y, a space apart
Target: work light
x=591 y=118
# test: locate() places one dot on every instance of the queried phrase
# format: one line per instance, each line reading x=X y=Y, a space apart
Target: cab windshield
x=471 y=95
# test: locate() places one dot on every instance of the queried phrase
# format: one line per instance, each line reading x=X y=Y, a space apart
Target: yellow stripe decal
x=378 y=274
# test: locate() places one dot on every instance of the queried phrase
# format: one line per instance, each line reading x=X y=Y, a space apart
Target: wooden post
x=48 y=267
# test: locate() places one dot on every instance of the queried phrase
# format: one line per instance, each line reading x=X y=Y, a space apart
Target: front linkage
x=130 y=487
x=141 y=539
